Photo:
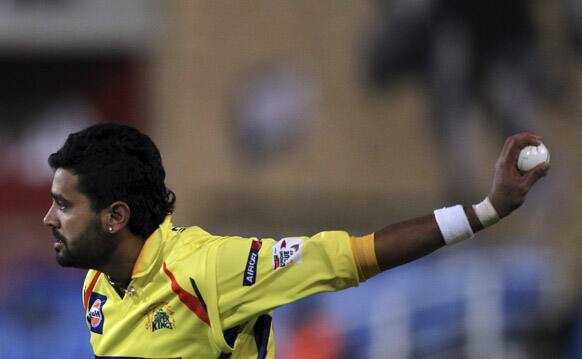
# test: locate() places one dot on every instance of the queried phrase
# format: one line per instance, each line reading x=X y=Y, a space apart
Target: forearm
x=406 y=241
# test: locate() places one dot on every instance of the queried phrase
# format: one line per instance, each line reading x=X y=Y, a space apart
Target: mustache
x=57 y=235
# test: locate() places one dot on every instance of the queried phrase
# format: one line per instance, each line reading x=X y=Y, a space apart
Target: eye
x=62 y=206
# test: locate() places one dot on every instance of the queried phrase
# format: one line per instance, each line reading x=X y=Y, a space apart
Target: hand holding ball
x=531 y=156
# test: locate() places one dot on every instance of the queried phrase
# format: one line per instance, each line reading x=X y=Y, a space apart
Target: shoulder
x=186 y=241
x=196 y=239
x=190 y=250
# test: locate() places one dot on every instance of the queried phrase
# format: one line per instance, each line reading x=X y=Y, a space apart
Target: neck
x=120 y=267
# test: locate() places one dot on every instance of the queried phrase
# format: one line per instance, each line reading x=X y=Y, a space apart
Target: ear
x=116 y=217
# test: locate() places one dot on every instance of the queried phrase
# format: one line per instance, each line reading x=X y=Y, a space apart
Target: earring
x=110 y=229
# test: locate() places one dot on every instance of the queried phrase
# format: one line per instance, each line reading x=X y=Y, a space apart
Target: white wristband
x=453 y=224
x=486 y=213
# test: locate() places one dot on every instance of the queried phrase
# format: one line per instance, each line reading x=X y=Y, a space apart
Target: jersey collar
x=151 y=249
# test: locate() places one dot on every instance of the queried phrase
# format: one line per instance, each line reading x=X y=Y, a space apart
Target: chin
x=64 y=261
x=67 y=261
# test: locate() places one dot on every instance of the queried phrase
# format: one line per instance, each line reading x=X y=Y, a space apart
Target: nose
x=50 y=219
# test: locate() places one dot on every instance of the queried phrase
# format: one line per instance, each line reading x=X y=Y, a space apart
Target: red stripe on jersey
x=256 y=245
x=90 y=290
x=188 y=299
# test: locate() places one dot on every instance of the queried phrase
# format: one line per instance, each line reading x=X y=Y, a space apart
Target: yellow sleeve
x=254 y=276
x=365 y=256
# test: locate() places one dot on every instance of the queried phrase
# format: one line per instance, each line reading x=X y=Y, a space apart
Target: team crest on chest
x=160 y=316
x=95 y=316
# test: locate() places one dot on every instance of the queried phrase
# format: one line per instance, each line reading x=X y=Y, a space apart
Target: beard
x=91 y=249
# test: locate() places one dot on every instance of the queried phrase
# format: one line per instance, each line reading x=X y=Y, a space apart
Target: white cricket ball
x=531 y=156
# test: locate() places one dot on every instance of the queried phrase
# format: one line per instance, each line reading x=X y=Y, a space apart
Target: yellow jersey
x=197 y=295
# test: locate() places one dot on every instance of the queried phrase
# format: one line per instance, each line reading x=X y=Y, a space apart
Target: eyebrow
x=59 y=198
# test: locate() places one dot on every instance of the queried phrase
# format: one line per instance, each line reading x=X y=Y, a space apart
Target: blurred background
x=278 y=118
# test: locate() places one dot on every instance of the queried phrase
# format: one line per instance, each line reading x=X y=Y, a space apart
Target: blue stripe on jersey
x=262 y=329
x=195 y=287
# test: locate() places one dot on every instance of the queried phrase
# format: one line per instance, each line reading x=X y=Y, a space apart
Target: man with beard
x=155 y=290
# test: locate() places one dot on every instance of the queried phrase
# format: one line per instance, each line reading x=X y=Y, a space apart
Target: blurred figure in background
x=471 y=53
x=315 y=334
x=574 y=15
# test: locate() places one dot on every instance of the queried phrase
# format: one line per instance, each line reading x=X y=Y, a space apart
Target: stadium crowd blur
x=270 y=124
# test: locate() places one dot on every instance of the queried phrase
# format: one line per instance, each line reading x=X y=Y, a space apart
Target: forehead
x=65 y=183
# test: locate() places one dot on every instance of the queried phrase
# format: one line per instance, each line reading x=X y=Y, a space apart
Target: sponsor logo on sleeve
x=250 y=273
x=286 y=251
x=95 y=316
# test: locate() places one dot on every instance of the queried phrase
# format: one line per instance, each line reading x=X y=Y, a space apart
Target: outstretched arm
x=403 y=242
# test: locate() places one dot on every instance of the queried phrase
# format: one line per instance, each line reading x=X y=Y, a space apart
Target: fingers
x=515 y=143
x=510 y=186
x=535 y=174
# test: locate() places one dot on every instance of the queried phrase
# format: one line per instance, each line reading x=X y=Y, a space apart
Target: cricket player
x=154 y=290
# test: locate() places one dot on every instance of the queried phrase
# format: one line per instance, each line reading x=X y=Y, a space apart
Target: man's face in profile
x=81 y=239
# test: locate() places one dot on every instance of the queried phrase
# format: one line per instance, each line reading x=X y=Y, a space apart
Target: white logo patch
x=287 y=250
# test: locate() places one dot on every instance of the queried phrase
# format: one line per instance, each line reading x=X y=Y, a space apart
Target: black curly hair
x=119 y=163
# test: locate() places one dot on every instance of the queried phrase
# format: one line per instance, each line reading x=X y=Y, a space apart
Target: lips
x=60 y=242
x=58 y=245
